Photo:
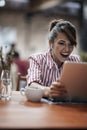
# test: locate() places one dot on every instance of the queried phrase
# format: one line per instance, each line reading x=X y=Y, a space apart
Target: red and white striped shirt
x=44 y=70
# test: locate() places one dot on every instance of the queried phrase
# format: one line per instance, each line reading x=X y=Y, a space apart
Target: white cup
x=32 y=94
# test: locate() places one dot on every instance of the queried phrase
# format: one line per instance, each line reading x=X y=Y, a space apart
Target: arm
x=45 y=89
x=34 y=77
x=55 y=90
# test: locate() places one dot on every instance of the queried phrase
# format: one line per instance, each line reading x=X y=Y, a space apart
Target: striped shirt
x=44 y=70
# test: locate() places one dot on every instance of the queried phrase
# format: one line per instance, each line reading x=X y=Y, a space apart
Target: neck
x=59 y=63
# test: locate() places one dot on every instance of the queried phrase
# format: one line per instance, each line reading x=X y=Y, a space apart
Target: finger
x=59 y=80
x=61 y=91
x=53 y=95
x=57 y=84
x=57 y=87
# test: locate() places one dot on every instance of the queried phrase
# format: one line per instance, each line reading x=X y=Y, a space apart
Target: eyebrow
x=64 y=41
x=61 y=40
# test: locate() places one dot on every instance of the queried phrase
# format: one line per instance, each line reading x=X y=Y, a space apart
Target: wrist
x=46 y=91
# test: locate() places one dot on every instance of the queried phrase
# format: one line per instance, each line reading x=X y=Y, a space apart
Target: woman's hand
x=57 y=89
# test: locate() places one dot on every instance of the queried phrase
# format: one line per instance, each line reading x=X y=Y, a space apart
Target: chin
x=63 y=59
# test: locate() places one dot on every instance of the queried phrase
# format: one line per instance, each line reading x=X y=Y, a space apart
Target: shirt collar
x=51 y=62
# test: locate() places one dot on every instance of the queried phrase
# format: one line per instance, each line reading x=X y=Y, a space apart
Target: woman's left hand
x=57 y=89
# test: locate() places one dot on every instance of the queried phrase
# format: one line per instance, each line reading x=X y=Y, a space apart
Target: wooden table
x=19 y=113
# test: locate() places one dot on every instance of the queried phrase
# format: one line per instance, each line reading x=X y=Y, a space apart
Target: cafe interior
x=26 y=24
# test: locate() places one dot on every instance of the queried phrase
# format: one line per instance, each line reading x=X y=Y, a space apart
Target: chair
x=20 y=78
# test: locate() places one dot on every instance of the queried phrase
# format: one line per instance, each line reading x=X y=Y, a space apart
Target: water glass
x=6 y=85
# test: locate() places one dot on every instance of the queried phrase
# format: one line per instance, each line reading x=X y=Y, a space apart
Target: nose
x=66 y=48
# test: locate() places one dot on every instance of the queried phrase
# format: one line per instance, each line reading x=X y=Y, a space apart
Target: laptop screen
x=74 y=77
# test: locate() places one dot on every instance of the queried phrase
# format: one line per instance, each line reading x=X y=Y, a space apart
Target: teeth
x=65 y=54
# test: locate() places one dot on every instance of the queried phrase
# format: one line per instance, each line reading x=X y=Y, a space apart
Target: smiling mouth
x=65 y=55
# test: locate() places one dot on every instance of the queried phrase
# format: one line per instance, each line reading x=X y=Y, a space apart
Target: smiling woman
x=45 y=68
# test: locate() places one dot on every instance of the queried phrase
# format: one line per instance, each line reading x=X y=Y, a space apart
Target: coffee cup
x=32 y=94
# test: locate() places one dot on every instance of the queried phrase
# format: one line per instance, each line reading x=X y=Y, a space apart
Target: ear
x=51 y=45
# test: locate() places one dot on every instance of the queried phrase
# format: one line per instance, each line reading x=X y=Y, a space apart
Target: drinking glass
x=6 y=84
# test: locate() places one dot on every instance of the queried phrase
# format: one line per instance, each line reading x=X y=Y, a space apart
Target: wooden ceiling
x=32 y=6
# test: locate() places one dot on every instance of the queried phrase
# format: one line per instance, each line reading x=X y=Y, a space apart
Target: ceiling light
x=2 y=3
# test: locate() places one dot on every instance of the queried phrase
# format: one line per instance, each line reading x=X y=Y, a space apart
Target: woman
x=45 y=69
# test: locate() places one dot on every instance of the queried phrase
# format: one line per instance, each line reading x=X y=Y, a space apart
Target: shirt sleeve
x=75 y=58
x=34 y=71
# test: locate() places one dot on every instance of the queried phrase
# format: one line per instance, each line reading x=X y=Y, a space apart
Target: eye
x=70 y=45
x=61 y=42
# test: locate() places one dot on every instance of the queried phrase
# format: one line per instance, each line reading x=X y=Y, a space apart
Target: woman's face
x=61 y=48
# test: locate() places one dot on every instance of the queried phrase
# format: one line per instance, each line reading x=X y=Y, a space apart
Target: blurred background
x=26 y=23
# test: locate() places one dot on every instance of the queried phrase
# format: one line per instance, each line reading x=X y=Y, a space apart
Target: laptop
x=74 y=77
